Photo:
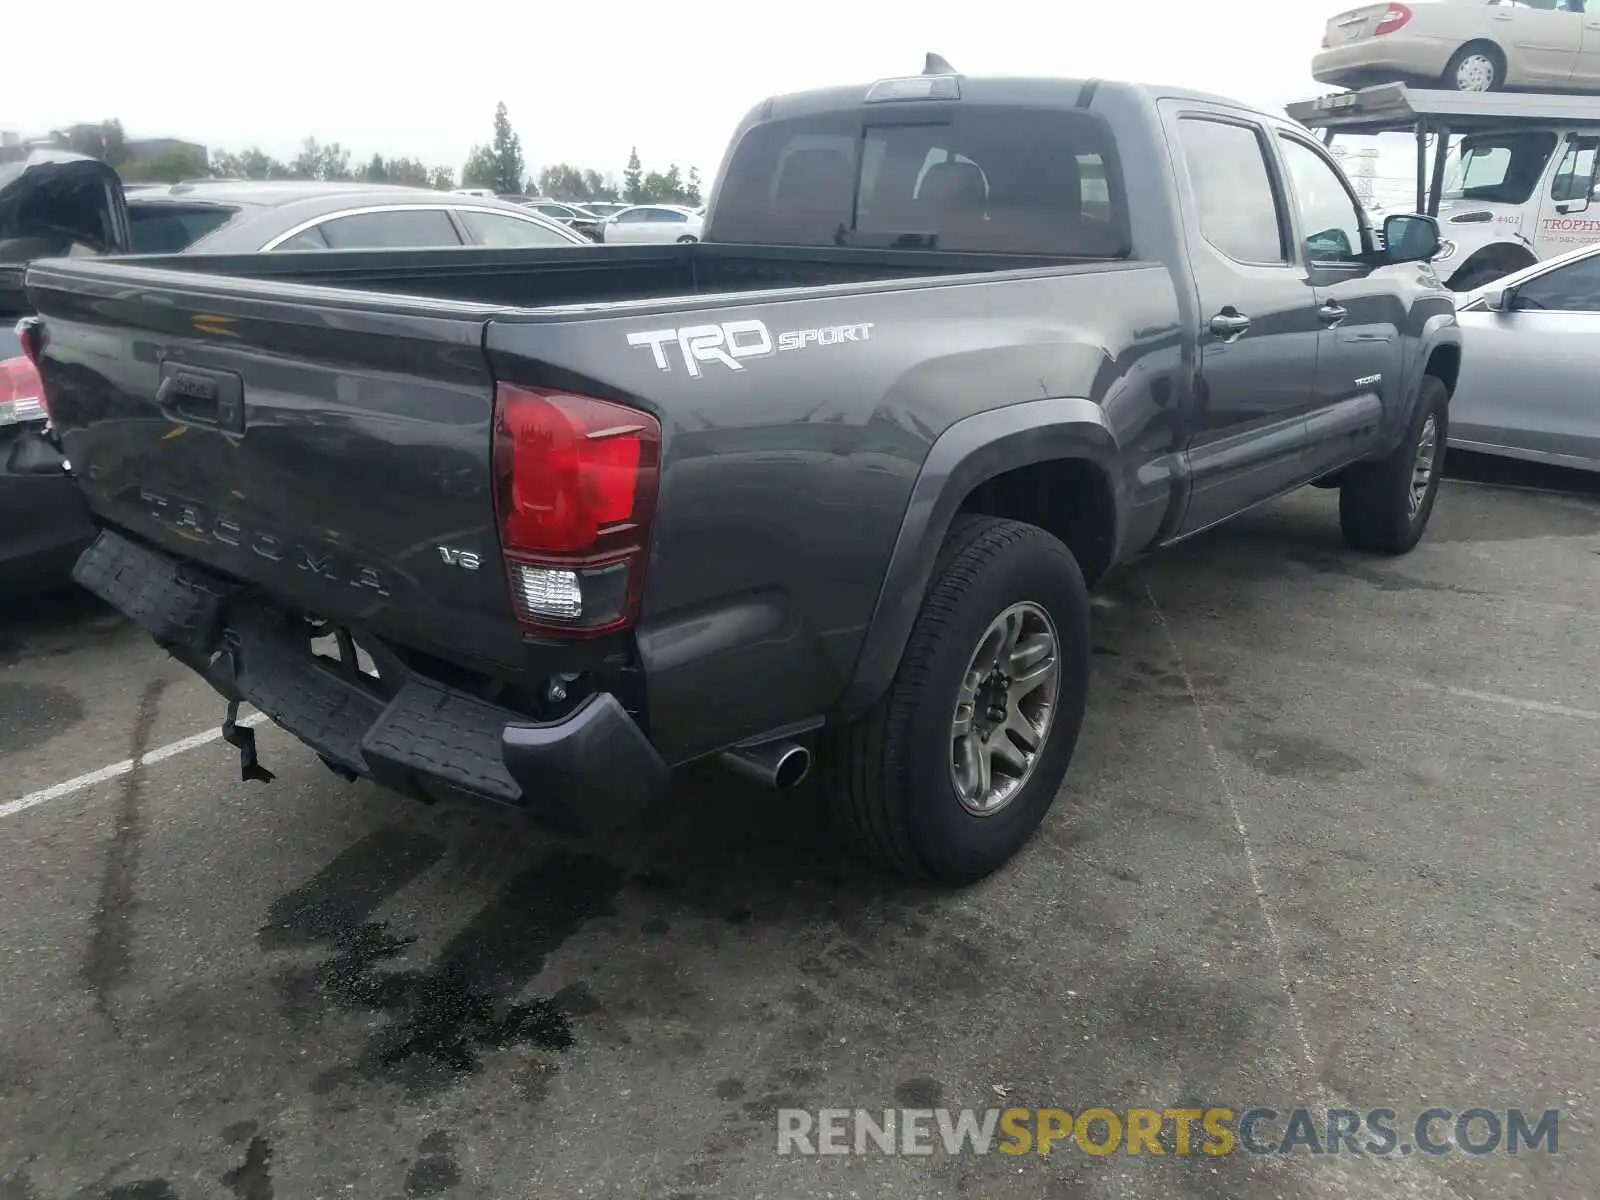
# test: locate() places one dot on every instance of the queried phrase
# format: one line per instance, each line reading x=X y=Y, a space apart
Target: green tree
x=479 y=171
x=105 y=141
x=319 y=161
x=498 y=165
x=598 y=187
x=376 y=171
x=173 y=167
x=441 y=179
x=633 y=179
x=253 y=163
x=409 y=172
x=691 y=191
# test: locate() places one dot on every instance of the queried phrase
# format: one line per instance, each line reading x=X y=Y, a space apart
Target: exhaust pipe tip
x=777 y=765
x=792 y=767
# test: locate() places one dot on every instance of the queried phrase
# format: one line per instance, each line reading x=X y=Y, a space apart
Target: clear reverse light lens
x=551 y=593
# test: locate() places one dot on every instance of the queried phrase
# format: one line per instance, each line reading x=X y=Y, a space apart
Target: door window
x=1572 y=181
x=633 y=215
x=665 y=216
x=1236 y=205
x=397 y=229
x=1572 y=288
x=1330 y=219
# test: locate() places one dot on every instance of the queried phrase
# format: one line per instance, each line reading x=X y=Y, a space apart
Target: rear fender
x=969 y=452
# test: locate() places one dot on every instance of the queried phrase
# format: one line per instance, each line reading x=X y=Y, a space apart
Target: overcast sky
x=588 y=81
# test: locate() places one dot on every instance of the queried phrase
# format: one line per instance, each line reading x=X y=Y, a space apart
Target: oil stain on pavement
x=441 y=1019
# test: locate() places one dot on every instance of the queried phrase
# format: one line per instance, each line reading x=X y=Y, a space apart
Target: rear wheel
x=686 y=239
x=1384 y=506
x=1476 y=67
x=951 y=772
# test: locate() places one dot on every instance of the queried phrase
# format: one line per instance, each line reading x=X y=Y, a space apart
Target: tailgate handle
x=202 y=396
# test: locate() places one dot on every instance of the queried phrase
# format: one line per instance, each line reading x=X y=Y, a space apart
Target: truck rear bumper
x=410 y=733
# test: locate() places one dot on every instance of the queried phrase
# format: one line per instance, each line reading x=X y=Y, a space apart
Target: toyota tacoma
x=541 y=525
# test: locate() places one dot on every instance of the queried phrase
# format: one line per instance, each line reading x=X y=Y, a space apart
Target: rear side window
x=1236 y=205
x=501 y=229
x=399 y=230
x=995 y=179
x=167 y=228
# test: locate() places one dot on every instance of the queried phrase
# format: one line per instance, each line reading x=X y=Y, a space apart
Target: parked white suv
x=1465 y=45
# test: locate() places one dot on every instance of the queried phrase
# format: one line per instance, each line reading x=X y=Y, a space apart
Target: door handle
x=1230 y=324
x=1330 y=314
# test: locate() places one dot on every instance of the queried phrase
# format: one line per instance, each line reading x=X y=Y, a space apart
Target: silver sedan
x=1530 y=364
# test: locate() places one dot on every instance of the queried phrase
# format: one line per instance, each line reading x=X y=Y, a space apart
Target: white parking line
x=118 y=769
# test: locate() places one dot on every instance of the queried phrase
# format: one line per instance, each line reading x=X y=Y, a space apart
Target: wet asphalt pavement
x=1330 y=839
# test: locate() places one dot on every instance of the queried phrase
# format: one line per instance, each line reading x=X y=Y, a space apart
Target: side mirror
x=1410 y=237
x=1500 y=300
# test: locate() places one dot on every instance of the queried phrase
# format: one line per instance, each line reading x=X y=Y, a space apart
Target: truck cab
x=1510 y=178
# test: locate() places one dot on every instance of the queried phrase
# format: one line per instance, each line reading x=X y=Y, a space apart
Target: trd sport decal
x=732 y=341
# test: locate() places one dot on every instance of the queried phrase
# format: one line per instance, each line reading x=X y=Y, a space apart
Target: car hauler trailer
x=1523 y=183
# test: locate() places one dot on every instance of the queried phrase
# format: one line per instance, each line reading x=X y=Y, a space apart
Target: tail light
x=575 y=490
x=1396 y=16
x=21 y=392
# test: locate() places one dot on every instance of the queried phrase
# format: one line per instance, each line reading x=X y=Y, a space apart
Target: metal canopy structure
x=1396 y=108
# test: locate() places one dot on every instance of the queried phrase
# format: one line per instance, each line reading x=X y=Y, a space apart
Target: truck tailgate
x=332 y=448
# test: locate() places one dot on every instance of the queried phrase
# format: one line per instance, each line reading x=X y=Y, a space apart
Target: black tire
x=888 y=774
x=1450 y=80
x=1375 y=512
x=686 y=239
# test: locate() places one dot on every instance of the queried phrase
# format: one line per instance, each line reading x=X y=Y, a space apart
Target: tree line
x=497 y=164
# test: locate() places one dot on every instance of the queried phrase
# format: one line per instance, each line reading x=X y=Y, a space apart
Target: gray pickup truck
x=540 y=525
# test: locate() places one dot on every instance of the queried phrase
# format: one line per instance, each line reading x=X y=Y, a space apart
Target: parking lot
x=1329 y=840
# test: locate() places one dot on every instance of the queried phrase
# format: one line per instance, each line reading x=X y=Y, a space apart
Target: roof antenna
x=936 y=65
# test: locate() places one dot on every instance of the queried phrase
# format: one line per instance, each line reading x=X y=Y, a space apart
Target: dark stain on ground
x=443 y=1018
x=252 y=1179
x=349 y=889
x=577 y=1000
x=239 y=1132
x=1124 y=874
x=144 y=1189
x=17 y=1186
x=106 y=963
x=656 y=927
x=730 y=1089
x=33 y=713
x=54 y=624
x=437 y=1142
x=1384 y=581
x=432 y=1176
x=436 y=1171
x=1292 y=755
x=920 y=1092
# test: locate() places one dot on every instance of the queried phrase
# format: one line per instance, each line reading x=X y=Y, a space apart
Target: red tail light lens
x=21 y=392
x=1397 y=16
x=575 y=484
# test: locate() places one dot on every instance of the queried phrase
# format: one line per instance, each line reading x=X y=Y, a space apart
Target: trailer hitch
x=244 y=738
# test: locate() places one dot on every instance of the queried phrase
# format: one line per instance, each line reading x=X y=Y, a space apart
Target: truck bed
x=560 y=276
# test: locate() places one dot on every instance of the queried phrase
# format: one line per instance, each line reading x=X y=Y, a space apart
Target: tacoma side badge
x=465 y=559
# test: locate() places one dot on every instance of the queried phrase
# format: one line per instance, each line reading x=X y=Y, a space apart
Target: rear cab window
x=171 y=228
x=965 y=177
